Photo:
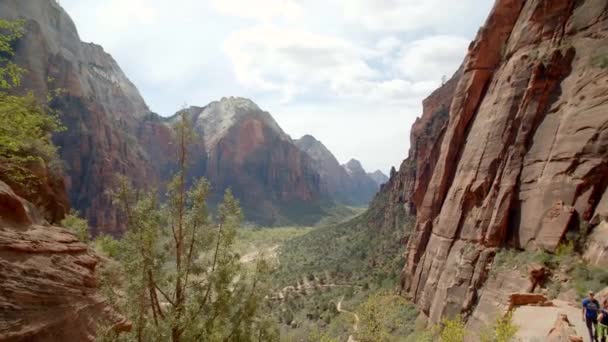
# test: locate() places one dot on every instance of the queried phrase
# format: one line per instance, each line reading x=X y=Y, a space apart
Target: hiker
x=602 y=327
x=590 y=311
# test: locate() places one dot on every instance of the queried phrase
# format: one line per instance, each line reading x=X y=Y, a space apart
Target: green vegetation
x=355 y=251
x=258 y=239
x=385 y=316
x=503 y=330
x=176 y=275
x=77 y=225
x=26 y=124
x=354 y=263
x=581 y=276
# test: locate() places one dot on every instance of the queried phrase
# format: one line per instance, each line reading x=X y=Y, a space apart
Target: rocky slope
x=379 y=177
x=362 y=187
x=49 y=288
x=518 y=160
x=111 y=131
x=100 y=107
x=348 y=188
x=247 y=151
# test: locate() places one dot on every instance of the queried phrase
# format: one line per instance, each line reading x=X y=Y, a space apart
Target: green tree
x=26 y=124
x=77 y=225
x=183 y=280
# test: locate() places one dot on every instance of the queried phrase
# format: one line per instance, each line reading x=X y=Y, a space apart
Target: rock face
x=398 y=194
x=350 y=187
x=46 y=191
x=563 y=331
x=596 y=251
x=247 y=151
x=111 y=131
x=49 y=288
x=362 y=187
x=379 y=177
x=519 y=158
x=100 y=107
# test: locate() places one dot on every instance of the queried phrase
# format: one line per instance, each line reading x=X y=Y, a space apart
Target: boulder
x=563 y=331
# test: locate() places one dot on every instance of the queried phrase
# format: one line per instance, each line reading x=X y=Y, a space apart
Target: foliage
x=107 y=245
x=452 y=330
x=565 y=261
x=178 y=277
x=586 y=277
x=503 y=330
x=77 y=225
x=384 y=316
x=565 y=249
x=356 y=252
x=26 y=124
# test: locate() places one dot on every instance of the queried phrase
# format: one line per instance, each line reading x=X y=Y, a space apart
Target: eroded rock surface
x=111 y=131
x=48 y=286
x=522 y=156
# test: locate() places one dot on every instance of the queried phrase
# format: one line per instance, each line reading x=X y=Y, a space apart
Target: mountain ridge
x=111 y=130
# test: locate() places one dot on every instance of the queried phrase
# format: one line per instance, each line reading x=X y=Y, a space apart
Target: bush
x=503 y=330
x=452 y=330
x=77 y=226
x=26 y=124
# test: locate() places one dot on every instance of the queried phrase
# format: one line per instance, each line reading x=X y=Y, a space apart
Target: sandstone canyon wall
x=111 y=131
x=99 y=106
x=49 y=287
x=352 y=187
x=518 y=160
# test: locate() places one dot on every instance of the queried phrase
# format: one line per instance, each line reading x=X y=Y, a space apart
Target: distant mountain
x=363 y=187
x=379 y=177
x=243 y=148
x=356 y=188
x=111 y=131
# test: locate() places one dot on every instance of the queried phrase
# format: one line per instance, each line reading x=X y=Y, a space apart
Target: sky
x=353 y=73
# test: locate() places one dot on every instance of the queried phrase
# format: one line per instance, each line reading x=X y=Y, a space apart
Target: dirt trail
x=355 y=325
x=269 y=253
x=531 y=328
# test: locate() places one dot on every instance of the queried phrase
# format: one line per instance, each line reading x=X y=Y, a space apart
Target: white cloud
x=294 y=61
x=408 y=15
x=431 y=58
x=260 y=9
x=361 y=64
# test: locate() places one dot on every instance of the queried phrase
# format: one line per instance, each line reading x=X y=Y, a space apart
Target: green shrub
x=452 y=330
x=77 y=226
x=26 y=124
x=586 y=277
x=503 y=330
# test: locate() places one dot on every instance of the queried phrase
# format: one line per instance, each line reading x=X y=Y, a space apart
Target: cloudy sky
x=352 y=73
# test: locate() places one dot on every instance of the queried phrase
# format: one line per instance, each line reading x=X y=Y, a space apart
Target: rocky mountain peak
x=314 y=148
x=379 y=177
x=215 y=119
x=354 y=167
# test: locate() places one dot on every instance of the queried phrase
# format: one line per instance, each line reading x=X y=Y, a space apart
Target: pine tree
x=182 y=279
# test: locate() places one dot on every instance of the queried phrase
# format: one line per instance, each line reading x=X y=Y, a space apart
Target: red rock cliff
x=49 y=288
x=522 y=157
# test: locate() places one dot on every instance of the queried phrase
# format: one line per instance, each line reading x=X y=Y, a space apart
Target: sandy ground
x=535 y=322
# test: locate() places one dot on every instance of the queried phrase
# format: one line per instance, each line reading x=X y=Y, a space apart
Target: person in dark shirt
x=602 y=326
x=591 y=308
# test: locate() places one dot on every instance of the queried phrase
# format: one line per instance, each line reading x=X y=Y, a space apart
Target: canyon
x=510 y=153
x=112 y=131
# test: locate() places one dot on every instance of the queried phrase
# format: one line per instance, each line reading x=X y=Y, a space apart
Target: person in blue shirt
x=602 y=326
x=591 y=308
